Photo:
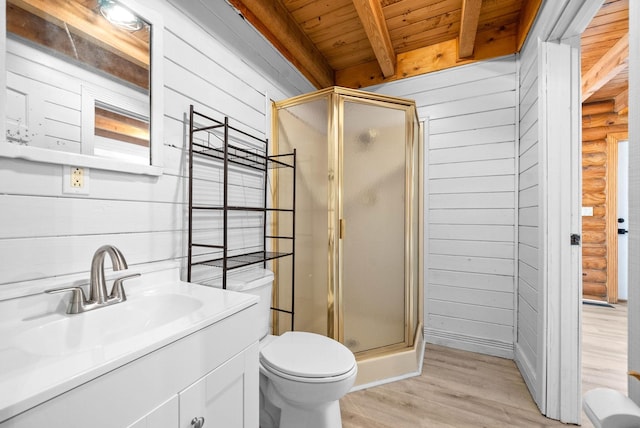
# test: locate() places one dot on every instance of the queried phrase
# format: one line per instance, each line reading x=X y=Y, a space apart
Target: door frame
x=557 y=32
x=634 y=203
x=560 y=207
x=612 y=214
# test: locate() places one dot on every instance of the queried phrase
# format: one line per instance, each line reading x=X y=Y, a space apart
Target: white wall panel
x=529 y=177
x=473 y=312
x=527 y=339
x=43 y=257
x=494 y=134
x=503 y=250
x=471 y=264
x=529 y=235
x=473 y=296
x=472 y=280
x=48 y=233
x=463 y=332
x=471 y=200
x=472 y=153
x=472 y=169
x=528 y=158
x=472 y=232
x=528 y=216
x=471 y=216
x=502 y=183
x=471 y=148
x=473 y=121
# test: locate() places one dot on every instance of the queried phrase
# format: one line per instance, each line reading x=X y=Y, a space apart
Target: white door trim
x=558 y=27
x=559 y=185
x=634 y=200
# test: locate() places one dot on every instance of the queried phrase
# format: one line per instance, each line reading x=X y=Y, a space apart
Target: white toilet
x=302 y=375
x=607 y=408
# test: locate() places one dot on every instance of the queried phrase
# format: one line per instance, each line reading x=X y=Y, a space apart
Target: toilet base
x=327 y=415
x=276 y=412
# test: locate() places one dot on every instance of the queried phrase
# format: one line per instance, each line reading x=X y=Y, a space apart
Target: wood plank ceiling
x=605 y=56
x=357 y=43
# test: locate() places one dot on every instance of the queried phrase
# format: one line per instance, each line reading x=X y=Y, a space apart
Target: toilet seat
x=308 y=357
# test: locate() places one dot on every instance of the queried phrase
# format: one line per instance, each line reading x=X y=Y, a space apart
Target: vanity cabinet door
x=227 y=397
x=163 y=416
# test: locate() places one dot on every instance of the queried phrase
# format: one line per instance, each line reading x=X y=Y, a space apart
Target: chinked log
x=594 y=159
x=597 y=263
x=596 y=146
x=592 y=237
x=594 y=276
x=597 y=108
x=600 y=132
x=591 y=185
x=593 y=199
x=604 y=119
x=597 y=224
x=593 y=172
x=594 y=289
x=588 y=250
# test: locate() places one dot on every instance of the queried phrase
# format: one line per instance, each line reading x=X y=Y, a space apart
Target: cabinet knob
x=197 y=422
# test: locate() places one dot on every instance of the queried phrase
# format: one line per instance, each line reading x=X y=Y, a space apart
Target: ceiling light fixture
x=119 y=15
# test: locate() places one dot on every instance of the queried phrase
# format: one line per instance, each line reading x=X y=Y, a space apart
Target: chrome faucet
x=97 y=285
x=98 y=296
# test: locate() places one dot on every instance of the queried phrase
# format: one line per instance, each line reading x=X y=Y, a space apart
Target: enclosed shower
x=358 y=267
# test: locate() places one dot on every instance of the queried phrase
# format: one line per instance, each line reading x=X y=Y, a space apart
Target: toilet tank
x=260 y=283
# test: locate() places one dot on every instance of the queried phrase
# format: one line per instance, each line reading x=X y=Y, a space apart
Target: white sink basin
x=97 y=329
x=45 y=352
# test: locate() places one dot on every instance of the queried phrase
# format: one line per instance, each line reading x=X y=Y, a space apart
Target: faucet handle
x=117 y=291
x=78 y=300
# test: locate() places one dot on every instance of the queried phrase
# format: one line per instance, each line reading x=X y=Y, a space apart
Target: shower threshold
x=396 y=364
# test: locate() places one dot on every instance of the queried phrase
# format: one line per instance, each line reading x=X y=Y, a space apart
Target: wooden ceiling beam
x=621 y=102
x=468 y=27
x=491 y=44
x=375 y=25
x=90 y=26
x=606 y=68
x=527 y=17
x=273 y=21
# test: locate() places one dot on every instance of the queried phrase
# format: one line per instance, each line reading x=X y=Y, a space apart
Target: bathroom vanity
x=174 y=354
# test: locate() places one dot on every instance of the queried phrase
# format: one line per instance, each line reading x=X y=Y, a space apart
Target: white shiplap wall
x=470 y=150
x=46 y=233
x=527 y=339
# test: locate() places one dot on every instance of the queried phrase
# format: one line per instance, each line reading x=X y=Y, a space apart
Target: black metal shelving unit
x=255 y=158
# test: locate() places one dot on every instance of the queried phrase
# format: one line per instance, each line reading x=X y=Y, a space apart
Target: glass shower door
x=373 y=288
x=304 y=126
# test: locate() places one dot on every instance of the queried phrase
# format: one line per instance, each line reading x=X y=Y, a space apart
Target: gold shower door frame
x=338 y=316
x=337 y=229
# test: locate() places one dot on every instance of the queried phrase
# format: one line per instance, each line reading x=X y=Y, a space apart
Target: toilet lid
x=308 y=355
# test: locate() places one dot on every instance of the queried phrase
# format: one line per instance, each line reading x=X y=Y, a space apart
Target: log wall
x=599 y=121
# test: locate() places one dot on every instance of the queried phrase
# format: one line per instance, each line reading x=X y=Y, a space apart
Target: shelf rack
x=253 y=157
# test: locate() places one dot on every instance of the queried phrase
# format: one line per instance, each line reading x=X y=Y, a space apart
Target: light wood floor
x=604 y=347
x=464 y=389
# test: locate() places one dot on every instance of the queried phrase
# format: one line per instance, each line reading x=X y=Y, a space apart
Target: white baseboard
x=481 y=345
x=528 y=373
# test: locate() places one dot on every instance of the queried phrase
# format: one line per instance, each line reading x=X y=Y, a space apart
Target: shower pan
x=358 y=267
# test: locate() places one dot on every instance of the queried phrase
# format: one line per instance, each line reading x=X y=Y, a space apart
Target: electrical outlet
x=77 y=177
x=75 y=180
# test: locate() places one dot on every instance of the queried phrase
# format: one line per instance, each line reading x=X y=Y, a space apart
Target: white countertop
x=31 y=373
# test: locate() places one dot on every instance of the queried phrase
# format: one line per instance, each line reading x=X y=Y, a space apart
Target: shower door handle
x=342 y=226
